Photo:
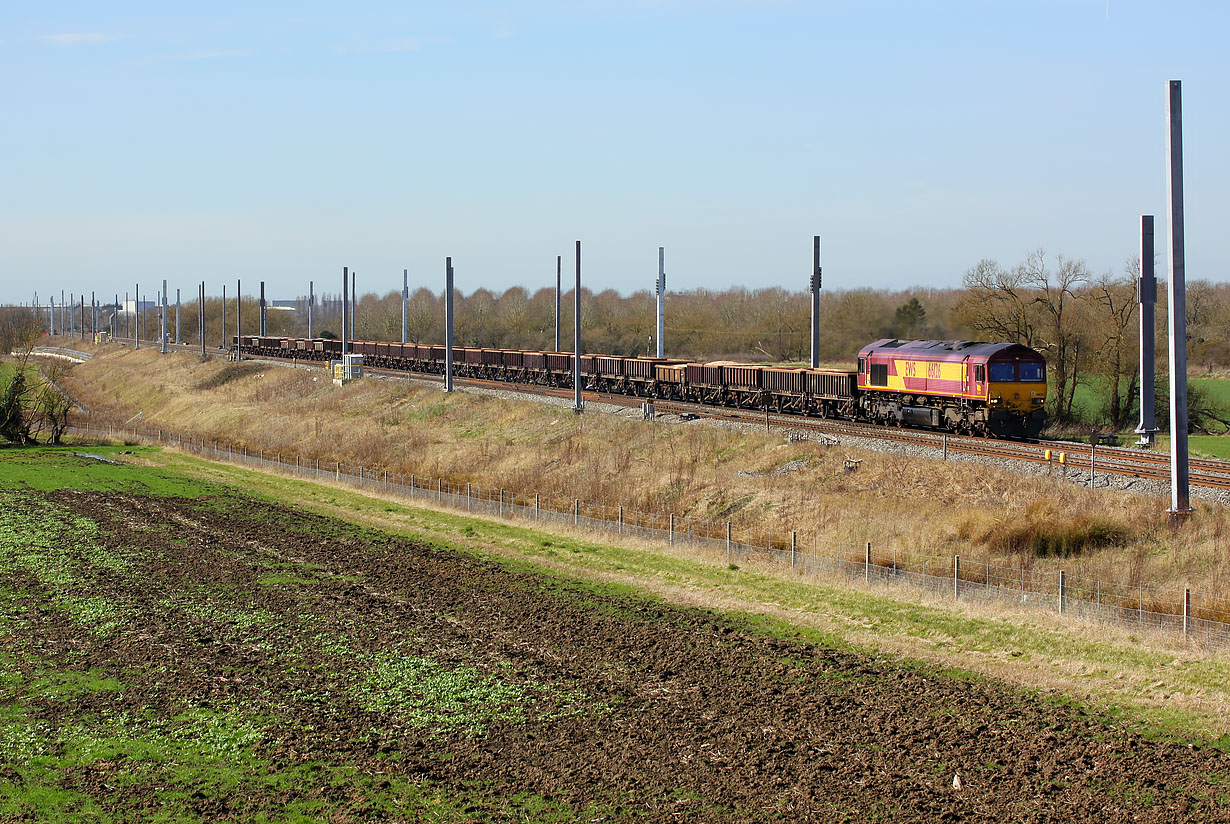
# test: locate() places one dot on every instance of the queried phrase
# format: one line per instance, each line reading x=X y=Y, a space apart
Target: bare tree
x=1059 y=335
x=999 y=302
x=1113 y=303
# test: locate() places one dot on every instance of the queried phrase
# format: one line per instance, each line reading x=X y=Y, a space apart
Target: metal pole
x=51 y=310
x=202 y=319
x=162 y=342
x=815 y=302
x=345 y=298
x=577 y=404
x=311 y=307
x=264 y=328
x=405 y=296
x=1176 y=293
x=559 y=263
x=1148 y=297
x=177 y=308
x=93 y=312
x=354 y=300
x=224 y=345
x=136 y=318
x=448 y=324
x=661 y=300
x=238 y=320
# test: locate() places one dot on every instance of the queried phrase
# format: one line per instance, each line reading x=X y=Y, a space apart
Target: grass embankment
x=757 y=480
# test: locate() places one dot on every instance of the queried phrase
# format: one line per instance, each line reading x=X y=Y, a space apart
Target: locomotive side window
x=1002 y=372
x=1033 y=371
x=862 y=366
x=980 y=373
x=879 y=374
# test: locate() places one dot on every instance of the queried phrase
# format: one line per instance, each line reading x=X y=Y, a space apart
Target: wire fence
x=1200 y=620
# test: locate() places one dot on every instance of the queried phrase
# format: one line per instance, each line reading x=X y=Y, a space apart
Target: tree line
x=1085 y=323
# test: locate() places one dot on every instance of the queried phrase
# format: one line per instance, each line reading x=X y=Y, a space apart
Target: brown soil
x=643 y=710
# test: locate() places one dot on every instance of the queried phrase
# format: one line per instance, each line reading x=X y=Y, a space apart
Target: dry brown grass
x=900 y=505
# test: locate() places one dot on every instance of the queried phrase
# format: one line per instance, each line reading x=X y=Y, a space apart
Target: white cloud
x=78 y=38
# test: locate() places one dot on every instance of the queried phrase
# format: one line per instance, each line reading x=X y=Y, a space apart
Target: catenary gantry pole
x=136 y=317
x=238 y=319
x=345 y=294
x=263 y=327
x=202 y=319
x=577 y=404
x=93 y=313
x=51 y=311
x=405 y=296
x=354 y=300
x=162 y=344
x=177 y=309
x=225 y=345
x=1176 y=293
x=559 y=268
x=815 y=301
x=311 y=307
x=448 y=324
x=661 y=300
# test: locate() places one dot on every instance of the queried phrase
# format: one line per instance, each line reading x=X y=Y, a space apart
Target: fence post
x=501 y=502
x=1063 y=586
x=360 y=476
x=794 y=549
x=671 y=530
x=1140 y=605
x=576 y=511
x=1022 y=585
x=469 y=496
x=439 y=491
x=337 y=472
x=956 y=576
x=621 y=519
x=867 y=564
x=728 y=541
x=1187 y=612
x=535 y=506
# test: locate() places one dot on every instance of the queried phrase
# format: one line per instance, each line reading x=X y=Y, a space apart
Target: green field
x=185 y=641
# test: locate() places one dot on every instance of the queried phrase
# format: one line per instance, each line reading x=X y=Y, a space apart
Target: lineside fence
x=1196 y=619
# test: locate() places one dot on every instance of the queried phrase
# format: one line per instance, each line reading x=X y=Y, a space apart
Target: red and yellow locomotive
x=963 y=386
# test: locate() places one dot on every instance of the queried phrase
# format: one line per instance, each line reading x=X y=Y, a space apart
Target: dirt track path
x=637 y=710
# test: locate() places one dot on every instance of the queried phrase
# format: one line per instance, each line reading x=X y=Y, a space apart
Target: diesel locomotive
x=970 y=387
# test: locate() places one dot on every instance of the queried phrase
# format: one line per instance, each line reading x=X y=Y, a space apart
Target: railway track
x=1118 y=461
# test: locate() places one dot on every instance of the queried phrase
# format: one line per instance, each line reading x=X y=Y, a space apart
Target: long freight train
x=996 y=389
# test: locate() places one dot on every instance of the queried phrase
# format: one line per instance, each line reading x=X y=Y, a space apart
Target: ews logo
x=910 y=370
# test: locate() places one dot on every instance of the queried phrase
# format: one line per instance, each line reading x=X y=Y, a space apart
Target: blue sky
x=281 y=141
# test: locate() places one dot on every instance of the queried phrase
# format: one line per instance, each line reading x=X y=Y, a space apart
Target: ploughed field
x=171 y=649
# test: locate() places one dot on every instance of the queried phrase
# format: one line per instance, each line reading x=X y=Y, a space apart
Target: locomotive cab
x=1016 y=392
